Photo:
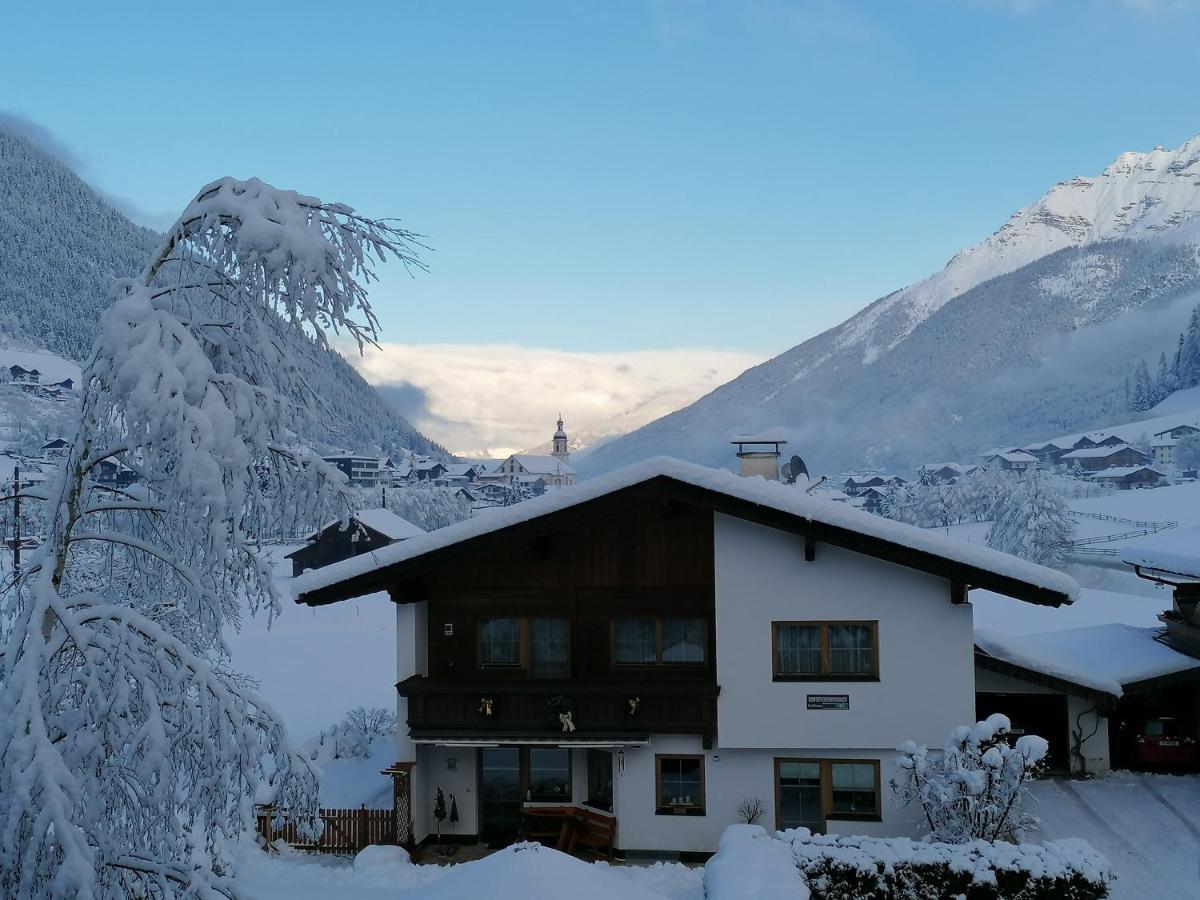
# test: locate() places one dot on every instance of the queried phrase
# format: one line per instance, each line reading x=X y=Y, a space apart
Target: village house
x=21 y=375
x=366 y=530
x=1162 y=447
x=363 y=470
x=657 y=645
x=1105 y=456
x=57 y=448
x=1049 y=453
x=1011 y=460
x=1128 y=478
x=941 y=472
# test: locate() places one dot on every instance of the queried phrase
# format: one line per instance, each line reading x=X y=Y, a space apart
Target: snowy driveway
x=1147 y=825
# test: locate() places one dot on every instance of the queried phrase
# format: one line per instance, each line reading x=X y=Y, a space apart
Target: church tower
x=560 y=443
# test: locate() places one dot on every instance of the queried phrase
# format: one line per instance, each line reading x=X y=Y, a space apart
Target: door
x=798 y=795
x=499 y=795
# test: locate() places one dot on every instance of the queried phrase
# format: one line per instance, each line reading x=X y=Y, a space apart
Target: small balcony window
x=643 y=641
x=542 y=647
x=825 y=651
x=500 y=642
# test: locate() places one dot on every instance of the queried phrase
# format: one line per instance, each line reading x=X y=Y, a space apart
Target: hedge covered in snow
x=752 y=865
x=843 y=867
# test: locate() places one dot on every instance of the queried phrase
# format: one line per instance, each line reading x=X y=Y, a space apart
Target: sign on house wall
x=828 y=701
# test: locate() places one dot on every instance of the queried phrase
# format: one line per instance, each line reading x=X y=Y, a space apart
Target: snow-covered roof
x=905 y=544
x=1165 y=442
x=460 y=470
x=1184 y=427
x=1124 y=471
x=1106 y=658
x=384 y=521
x=1174 y=552
x=1099 y=452
x=1014 y=456
x=543 y=465
x=1044 y=445
x=938 y=466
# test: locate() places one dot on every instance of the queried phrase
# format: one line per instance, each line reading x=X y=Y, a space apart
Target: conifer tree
x=1032 y=521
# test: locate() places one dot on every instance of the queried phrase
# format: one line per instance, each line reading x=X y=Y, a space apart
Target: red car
x=1161 y=744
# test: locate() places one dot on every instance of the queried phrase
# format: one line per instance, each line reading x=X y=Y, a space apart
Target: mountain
x=61 y=246
x=1028 y=333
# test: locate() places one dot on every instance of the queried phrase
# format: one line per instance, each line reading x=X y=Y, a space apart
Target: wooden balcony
x=529 y=709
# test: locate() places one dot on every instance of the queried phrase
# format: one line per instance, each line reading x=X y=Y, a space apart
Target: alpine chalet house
x=649 y=649
x=1105 y=456
x=366 y=530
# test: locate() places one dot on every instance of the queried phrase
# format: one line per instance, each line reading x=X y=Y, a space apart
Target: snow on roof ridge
x=382 y=520
x=770 y=494
x=1175 y=551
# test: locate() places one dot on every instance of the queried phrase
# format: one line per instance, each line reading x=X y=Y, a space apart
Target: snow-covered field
x=314 y=664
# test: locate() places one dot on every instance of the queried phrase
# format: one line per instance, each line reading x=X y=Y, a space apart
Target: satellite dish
x=793 y=469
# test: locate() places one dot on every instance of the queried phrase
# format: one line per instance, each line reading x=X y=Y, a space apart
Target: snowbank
x=1101 y=657
x=752 y=865
x=759 y=491
x=534 y=872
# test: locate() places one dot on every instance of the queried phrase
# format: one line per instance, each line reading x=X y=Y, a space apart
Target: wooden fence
x=345 y=831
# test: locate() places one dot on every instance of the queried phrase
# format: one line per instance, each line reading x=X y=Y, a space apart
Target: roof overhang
x=664 y=488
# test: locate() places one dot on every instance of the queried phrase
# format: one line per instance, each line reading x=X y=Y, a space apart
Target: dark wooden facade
x=648 y=559
x=334 y=543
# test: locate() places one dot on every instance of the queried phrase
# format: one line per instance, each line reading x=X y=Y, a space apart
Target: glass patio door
x=499 y=795
x=799 y=790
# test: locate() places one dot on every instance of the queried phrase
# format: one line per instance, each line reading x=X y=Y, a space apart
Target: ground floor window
x=600 y=779
x=547 y=774
x=680 y=784
x=808 y=792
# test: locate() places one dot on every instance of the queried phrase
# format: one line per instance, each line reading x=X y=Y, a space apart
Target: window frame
x=526 y=768
x=659 y=662
x=524 y=646
x=699 y=809
x=827 y=811
x=825 y=674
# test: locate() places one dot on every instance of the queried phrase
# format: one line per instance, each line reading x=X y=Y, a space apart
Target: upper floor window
x=646 y=641
x=540 y=646
x=831 y=651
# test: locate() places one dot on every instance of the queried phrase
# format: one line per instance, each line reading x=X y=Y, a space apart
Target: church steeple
x=560 y=442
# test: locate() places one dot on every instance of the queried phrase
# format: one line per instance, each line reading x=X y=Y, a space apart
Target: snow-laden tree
x=1031 y=521
x=352 y=737
x=1187 y=452
x=129 y=753
x=976 y=787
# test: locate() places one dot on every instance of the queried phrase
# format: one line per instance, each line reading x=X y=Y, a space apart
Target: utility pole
x=16 y=521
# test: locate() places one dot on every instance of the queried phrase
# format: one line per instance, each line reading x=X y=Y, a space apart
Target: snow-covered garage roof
x=1174 y=552
x=1105 y=658
x=753 y=498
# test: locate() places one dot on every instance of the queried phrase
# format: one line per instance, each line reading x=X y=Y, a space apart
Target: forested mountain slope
x=1031 y=332
x=61 y=246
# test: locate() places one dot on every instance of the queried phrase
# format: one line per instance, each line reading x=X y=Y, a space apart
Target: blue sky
x=619 y=176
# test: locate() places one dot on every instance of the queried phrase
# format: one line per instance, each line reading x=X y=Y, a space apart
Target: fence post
x=364 y=827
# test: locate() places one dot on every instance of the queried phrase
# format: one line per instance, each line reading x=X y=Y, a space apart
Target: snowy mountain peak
x=1137 y=195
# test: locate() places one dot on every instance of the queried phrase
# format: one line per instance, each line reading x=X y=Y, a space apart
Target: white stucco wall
x=926 y=649
x=412 y=658
x=731 y=776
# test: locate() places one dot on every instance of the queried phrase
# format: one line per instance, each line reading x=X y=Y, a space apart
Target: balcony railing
x=532 y=709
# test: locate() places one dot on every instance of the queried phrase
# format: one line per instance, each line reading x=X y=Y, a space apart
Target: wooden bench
x=595 y=831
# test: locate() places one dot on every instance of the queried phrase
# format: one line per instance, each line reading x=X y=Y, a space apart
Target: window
x=808 y=792
x=549 y=648
x=549 y=774
x=680 y=784
x=643 y=641
x=500 y=642
x=542 y=647
x=600 y=779
x=827 y=651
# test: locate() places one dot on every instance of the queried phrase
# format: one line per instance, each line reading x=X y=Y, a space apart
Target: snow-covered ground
x=519 y=873
x=1147 y=825
x=315 y=664
x=53 y=368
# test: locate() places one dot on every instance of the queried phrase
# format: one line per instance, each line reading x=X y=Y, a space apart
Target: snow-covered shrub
x=381 y=855
x=975 y=788
x=849 y=867
x=752 y=865
x=351 y=738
